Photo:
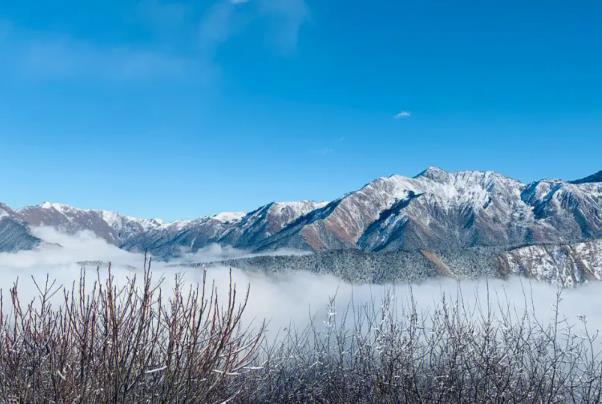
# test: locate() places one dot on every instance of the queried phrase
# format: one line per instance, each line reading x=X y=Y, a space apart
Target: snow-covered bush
x=128 y=343
x=383 y=354
x=138 y=343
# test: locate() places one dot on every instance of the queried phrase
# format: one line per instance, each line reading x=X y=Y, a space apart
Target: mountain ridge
x=434 y=210
x=596 y=177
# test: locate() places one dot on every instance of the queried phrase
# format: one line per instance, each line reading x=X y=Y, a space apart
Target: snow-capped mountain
x=182 y=236
x=435 y=210
x=453 y=210
x=340 y=224
x=110 y=226
x=239 y=230
x=170 y=239
x=163 y=239
x=267 y=221
x=440 y=210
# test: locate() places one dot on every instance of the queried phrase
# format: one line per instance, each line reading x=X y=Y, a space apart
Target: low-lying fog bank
x=283 y=298
x=327 y=339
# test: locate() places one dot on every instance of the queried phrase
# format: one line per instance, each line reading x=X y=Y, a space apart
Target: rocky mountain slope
x=432 y=215
x=15 y=235
x=568 y=265
x=110 y=226
x=597 y=177
x=166 y=240
x=440 y=210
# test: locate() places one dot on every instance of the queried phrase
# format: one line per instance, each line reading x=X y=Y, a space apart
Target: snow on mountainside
x=442 y=210
x=435 y=210
x=567 y=212
x=130 y=232
x=241 y=231
x=14 y=233
x=267 y=221
x=451 y=210
x=112 y=227
x=183 y=236
x=228 y=216
x=564 y=264
x=568 y=265
x=170 y=239
x=339 y=224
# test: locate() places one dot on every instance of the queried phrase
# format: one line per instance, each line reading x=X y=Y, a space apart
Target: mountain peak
x=433 y=169
x=434 y=173
x=56 y=206
x=597 y=177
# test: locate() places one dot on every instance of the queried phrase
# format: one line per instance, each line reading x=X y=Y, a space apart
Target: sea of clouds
x=284 y=299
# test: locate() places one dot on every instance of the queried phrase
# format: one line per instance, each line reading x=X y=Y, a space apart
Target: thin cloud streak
x=62 y=56
x=185 y=44
x=403 y=115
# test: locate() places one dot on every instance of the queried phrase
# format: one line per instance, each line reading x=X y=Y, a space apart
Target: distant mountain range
x=434 y=211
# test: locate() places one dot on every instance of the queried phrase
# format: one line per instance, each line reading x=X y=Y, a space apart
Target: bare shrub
x=104 y=343
x=124 y=344
x=456 y=354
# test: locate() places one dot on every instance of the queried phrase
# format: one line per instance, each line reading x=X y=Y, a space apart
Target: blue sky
x=178 y=109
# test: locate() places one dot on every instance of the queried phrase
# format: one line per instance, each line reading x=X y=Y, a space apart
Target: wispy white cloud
x=402 y=115
x=175 y=47
x=281 y=19
x=63 y=56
